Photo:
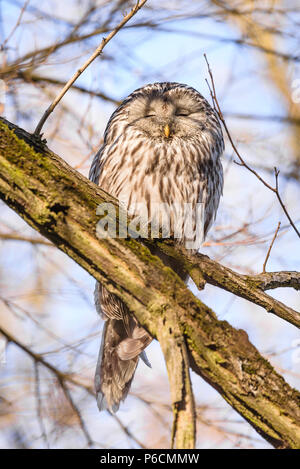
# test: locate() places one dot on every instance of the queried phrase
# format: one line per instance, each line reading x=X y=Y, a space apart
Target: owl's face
x=168 y=112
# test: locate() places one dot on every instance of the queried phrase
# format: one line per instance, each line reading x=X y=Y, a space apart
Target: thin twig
x=271 y=245
x=15 y=26
x=217 y=108
x=96 y=54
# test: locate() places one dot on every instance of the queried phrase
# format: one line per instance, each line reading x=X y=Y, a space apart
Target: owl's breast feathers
x=140 y=171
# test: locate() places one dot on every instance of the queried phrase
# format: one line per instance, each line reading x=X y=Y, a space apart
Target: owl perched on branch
x=162 y=145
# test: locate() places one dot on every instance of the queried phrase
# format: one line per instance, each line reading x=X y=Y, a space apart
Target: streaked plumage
x=162 y=145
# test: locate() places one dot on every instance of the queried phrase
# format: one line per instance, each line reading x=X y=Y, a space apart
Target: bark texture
x=61 y=205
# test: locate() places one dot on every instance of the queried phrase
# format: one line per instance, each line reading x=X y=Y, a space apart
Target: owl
x=162 y=147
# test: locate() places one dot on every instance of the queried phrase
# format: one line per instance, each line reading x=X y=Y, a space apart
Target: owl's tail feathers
x=118 y=358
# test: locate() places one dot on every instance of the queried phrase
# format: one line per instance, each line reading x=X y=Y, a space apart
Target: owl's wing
x=96 y=166
x=213 y=192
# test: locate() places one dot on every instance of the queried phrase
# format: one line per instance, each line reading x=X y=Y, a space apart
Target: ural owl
x=162 y=145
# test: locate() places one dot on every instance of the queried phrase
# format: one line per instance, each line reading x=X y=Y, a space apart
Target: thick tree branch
x=263 y=281
x=62 y=378
x=61 y=205
x=203 y=269
x=271 y=280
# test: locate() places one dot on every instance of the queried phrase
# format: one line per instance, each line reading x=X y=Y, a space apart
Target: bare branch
x=2 y=46
x=243 y=163
x=202 y=269
x=270 y=247
x=96 y=54
x=61 y=377
x=76 y=411
x=39 y=404
x=271 y=280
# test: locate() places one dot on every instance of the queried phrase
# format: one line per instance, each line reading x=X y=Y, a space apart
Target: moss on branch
x=61 y=204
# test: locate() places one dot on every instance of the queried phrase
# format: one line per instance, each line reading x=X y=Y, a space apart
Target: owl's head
x=167 y=110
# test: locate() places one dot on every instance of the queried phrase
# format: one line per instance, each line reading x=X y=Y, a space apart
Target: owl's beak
x=167 y=130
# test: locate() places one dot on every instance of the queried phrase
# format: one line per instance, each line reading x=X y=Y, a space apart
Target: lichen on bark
x=61 y=204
